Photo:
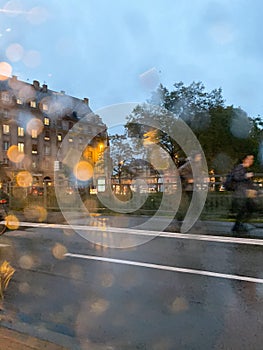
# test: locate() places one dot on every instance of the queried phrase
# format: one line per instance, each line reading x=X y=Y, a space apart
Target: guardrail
x=218 y=203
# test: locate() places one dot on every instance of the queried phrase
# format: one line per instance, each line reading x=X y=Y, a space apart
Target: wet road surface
x=168 y=293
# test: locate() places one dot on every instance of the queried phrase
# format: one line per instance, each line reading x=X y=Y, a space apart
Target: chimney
x=44 y=88
x=86 y=100
x=36 y=84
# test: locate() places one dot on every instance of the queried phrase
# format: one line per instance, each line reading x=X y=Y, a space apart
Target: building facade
x=38 y=127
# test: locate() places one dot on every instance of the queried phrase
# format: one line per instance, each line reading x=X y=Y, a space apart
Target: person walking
x=244 y=193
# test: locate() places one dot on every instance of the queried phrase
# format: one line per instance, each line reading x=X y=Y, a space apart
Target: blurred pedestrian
x=245 y=192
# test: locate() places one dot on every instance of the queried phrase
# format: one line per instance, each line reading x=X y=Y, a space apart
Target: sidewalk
x=13 y=340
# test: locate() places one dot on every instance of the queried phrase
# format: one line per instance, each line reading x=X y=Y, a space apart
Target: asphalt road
x=172 y=292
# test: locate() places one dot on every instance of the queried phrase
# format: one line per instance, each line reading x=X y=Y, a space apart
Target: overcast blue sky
x=115 y=51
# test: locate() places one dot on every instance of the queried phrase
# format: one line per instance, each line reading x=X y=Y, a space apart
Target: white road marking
x=4 y=245
x=108 y=229
x=167 y=268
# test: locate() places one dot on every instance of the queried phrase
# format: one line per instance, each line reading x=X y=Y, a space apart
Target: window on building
x=5 y=97
x=20 y=131
x=46 y=121
x=59 y=136
x=21 y=147
x=5 y=113
x=70 y=139
x=19 y=101
x=6 y=145
x=33 y=104
x=45 y=107
x=47 y=136
x=34 y=134
x=6 y=129
x=34 y=149
x=47 y=150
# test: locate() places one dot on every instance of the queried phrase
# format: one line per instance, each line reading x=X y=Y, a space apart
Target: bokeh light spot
x=14 y=52
x=35 y=125
x=24 y=178
x=5 y=70
x=27 y=93
x=12 y=222
x=99 y=306
x=83 y=171
x=35 y=212
x=26 y=262
x=14 y=155
x=59 y=251
x=179 y=305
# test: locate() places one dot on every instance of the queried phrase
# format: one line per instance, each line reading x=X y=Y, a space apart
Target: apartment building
x=38 y=127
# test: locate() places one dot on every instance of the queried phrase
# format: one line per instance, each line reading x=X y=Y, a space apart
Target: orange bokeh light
x=12 y=222
x=24 y=178
x=5 y=70
x=14 y=155
x=83 y=170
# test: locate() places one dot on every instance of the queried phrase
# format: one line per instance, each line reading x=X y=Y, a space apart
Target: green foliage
x=224 y=132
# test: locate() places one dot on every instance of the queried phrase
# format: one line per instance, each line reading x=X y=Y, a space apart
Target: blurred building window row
x=37 y=121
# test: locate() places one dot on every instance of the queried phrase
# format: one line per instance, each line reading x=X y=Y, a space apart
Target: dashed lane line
x=167 y=268
x=125 y=230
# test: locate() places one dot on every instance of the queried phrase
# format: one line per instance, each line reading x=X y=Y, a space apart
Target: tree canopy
x=224 y=132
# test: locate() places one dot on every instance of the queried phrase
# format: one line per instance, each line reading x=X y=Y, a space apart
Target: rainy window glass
x=131 y=174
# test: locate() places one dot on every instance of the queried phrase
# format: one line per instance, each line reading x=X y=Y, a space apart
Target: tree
x=224 y=132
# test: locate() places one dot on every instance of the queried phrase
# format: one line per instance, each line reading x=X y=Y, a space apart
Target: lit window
x=34 y=149
x=34 y=134
x=21 y=147
x=19 y=101
x=47 y=136
x=5 y=145
x=59 y=137
x=70 y=139
x=6 y=129
x=33 y=104
x=46 y=121
x=20 y=131
x=45 y=107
